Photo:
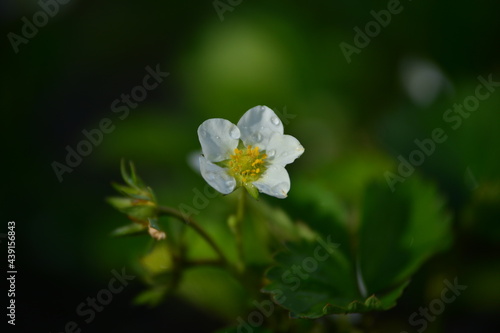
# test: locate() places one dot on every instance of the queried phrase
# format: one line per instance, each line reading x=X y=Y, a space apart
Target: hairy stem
x=240 y=212
x=191 y=222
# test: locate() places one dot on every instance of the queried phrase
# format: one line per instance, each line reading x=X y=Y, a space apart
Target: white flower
x=252 y=154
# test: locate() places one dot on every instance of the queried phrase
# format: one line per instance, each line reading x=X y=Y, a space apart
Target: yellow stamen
x=247 y=165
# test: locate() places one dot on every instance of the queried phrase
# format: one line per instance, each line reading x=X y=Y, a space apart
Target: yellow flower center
x=247 y=165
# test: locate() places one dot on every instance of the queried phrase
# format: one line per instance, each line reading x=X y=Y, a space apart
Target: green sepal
x=151 y=194
x=252 y=190
x=132 y=179
x=141 y=212
x=223 y=164
x=131 y=191
x=132 y=229
x=119 y=202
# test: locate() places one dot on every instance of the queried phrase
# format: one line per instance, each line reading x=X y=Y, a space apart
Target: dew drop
x=275 y=120
x=258 y=137
x=217 y=137
x=271 y=153
x=262 y=108
x=210 y=176
x=229 y=183
x=203 y=133
x=234 y=133
x=285 y=153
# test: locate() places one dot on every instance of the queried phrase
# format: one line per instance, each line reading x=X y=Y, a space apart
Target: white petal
x=257 y=125
x=275 y=182
x=283 y=149
x=216 y=176
x=218 y=138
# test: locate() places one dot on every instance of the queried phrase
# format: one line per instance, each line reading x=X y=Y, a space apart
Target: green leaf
x=311 y=288
x=129 y=230
x=395 y=234
x=321 y=209
x=306 y=294
x=399 y=231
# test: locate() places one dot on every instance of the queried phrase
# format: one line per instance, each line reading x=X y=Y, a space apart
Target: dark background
x=284 y=55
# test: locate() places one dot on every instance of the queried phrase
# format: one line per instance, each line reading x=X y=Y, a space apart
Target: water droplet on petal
x=229 y=183
x=210 y=176
x=258 y=137
x=275 y=120
x=283 y=154
x=262 y=108
x=217 y=137
x=203 y=133
x=235 y=133
x=271 y=153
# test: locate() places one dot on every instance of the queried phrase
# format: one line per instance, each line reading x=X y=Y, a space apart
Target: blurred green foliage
x=354 y=120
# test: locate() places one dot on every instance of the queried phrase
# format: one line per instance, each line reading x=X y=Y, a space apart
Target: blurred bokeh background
x=352 y=115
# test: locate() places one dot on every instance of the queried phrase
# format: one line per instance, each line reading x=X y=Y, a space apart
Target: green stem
x=240 y=212
x=191 y=222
